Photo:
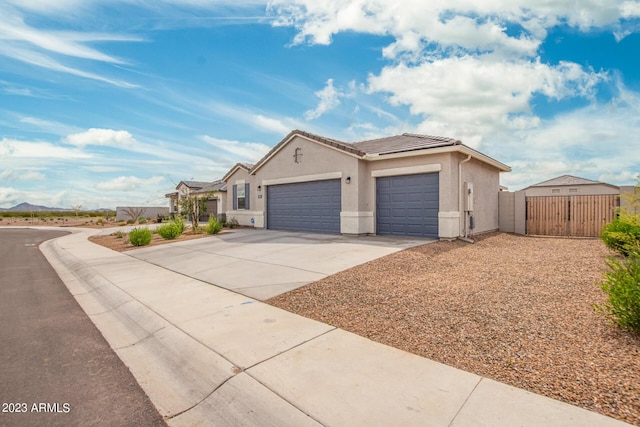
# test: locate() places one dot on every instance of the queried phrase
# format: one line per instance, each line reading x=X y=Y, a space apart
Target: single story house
x=409 y=185
x=214 y=193
x=568 y=185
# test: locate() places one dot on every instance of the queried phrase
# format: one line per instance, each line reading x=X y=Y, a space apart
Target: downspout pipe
x=463 y=215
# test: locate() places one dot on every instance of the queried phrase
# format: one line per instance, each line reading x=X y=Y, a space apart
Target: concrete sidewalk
x=209 y=356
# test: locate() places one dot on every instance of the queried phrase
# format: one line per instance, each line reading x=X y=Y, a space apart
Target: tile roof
x=403 y=143
x=566 y=180
x=195 y=184
x=204 y=186
x=218 y=185
x=406 y=142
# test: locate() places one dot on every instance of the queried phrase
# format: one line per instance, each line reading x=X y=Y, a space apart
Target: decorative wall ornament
x=297 y=156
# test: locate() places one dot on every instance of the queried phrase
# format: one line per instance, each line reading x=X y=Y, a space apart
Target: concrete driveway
x=263 y=263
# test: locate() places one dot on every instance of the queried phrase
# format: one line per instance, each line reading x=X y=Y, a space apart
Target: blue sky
x=111 y=103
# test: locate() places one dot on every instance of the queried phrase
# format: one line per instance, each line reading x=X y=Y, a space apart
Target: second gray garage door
x=408 y=205
x=305 y=206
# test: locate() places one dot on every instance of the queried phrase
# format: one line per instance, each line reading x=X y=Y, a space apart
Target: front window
x=241 y=197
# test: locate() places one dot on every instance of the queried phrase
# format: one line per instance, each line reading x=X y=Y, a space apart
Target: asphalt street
x=55 y=366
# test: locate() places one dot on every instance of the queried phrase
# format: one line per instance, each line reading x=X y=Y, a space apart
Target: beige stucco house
x=568 y=185
x=410 y=185
x=214 y=192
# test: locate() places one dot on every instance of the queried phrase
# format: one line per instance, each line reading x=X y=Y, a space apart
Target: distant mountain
x=28 y=207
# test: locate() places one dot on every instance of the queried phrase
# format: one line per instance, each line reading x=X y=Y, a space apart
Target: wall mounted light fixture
x=259 y=187
x=348 y=180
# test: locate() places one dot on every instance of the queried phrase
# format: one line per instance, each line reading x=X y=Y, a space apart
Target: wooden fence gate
x=576 y=216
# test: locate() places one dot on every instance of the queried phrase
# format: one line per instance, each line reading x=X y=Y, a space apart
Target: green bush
x=142 y=220
x=179 y=221
x=131 y=221
x=119 y=234
x=622 y=285
x=213 y=226
x=622 y=235
x=140 y=236
x=170 y=230
x=233 y=223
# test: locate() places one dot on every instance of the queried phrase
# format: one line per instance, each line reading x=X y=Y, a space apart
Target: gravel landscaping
x=512 y=308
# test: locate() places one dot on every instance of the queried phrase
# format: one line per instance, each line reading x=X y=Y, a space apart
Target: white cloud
x=101 y=137
x=565 y=144
x=11 y=148
x=247 y=151
x=13 y=28
x=476 y=96
x=128 y=183
x=11 y=175
x=25 y=43
x=329 y=99
x=40 y=60
x=624 y=176
x=468 y=24
x=270 y=124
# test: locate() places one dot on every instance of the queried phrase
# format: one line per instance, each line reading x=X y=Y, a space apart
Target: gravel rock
x=512 y=308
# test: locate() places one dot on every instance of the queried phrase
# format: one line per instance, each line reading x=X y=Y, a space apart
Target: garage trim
x=409 y=170
x=303 y=178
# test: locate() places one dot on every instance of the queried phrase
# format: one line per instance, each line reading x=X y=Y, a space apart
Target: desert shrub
x=119 y=234
x=233 y=223
x=142 y=220
x=213 y=226
x=170 y=230
x=622 y=285
x=100 y=221
x=131 y=221
x=622 y=235
x=140 y=236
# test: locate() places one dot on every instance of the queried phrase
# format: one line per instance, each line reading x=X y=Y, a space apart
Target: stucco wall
x=486 y=186
x=315 y=162
x=150 y=212
x=252 y=216
x=512 y=214
x=572 y=190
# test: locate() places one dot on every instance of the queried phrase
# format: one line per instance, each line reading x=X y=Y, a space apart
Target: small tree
x=77 y=208
x=193 y=206
x=134 y=212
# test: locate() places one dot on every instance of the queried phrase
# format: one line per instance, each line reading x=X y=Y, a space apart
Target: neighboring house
x=568 y=185
x=409 y=185
x=214 y=192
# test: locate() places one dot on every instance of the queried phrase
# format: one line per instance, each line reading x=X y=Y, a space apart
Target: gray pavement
x=263 y=263
x=54 y=363
x=210 y=356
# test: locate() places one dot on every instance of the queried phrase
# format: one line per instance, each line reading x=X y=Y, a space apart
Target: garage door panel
x=408 y=205
x=305 y=206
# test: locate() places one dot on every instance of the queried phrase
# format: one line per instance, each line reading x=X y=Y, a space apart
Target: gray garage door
x=305 y=206
x=407 y=205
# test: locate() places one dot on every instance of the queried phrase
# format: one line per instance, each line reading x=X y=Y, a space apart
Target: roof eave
x=233 y=170
x=438 y=150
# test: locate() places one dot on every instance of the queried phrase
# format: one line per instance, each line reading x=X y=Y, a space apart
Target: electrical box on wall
x=468 y=196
